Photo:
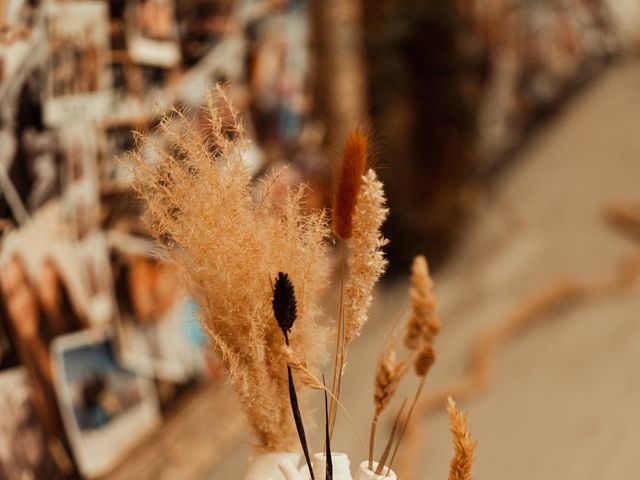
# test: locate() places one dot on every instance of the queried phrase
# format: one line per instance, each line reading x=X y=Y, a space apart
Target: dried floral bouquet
x=258 y=264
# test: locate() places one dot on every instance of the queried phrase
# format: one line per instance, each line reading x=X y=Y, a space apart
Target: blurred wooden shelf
x=190 y=441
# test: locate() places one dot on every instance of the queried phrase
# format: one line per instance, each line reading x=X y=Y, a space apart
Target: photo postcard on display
x=106 y=408
x=152 y=33
x=80 y=200
x=203 y=24
x=79 y=78
x=157 y=330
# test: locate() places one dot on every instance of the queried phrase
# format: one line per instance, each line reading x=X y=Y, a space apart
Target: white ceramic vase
x=363 y=473
x=340 y=462
x=265 y=466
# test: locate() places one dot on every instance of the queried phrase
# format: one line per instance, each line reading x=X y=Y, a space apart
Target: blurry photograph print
x=155 y=318
x=153 y=33
x=24 y=454
x=202 y=24
x=106 y=409
x=78 y=73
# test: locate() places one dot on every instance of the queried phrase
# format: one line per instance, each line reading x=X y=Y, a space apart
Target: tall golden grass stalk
x=464 y=447
x=366 y=264
x=230 y=243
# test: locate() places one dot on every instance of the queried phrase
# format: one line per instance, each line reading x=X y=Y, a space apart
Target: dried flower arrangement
x=258 y=263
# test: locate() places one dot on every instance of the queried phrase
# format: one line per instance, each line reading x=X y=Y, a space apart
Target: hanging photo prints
x=153 y=33
x=106 y=409
x=78 y=74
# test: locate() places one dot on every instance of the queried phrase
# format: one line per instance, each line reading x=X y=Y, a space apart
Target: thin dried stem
x=392 y=435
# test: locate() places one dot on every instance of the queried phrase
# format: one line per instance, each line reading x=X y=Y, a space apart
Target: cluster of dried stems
x=231 y=236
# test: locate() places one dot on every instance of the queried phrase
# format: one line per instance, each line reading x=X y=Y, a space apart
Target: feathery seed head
x=462 y=461
x=388 y=375
x=423 y=323
x=354 y=159
x=425 y=359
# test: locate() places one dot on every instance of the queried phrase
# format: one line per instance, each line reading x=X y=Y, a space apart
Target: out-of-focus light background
x=507 y=135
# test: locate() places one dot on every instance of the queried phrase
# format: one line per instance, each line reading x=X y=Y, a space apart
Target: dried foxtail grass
x=423 y=323
x=464 y=447
x=205 y=208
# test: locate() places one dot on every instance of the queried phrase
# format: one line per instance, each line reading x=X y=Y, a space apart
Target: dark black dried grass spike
x=284 y=303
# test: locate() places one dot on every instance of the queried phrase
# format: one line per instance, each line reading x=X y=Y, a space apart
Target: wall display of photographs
x=152 y=33
x=106 y=409
x=78 y=74
x=156 y=326
x=24 y=453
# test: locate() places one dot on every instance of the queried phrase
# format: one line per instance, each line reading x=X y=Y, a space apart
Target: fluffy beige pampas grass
x=231 y=241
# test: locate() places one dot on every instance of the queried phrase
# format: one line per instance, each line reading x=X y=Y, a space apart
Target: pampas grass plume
x=229 y=238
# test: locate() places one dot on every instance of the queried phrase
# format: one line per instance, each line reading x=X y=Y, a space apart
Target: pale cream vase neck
x=341 y=469
x=363 y=473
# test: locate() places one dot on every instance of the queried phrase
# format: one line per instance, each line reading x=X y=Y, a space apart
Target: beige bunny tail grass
x=464 y=446
x=365 y=259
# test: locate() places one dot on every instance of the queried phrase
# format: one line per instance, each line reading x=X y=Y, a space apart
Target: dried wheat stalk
x=423 y=323
x=230 y=242
x=389 y=372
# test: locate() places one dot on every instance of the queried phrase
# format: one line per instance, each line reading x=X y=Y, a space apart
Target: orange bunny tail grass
x=354 y=160
x=460 y=468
